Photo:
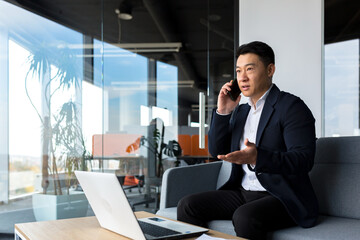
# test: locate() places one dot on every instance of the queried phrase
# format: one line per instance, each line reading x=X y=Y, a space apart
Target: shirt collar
x=261 y=100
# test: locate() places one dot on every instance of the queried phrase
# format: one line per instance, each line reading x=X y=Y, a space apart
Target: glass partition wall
x=110 y=86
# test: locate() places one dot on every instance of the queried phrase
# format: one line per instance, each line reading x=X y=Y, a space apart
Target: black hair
x=264 y=51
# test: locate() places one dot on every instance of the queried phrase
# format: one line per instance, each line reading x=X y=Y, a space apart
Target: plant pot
x=52 y=207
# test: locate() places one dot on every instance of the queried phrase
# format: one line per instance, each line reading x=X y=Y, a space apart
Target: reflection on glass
x=24 y=141
x=125 y=84
x=167 y=105
x=167 y=92
x=96 y=101
x=46 y=141
x=125 y=91
x=92 y=109
x=45 y=112
x=342 y=88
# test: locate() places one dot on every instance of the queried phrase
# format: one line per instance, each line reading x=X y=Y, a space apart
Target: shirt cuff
x=222 y=114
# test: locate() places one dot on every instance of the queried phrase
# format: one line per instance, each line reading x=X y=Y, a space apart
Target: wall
x=294 y=29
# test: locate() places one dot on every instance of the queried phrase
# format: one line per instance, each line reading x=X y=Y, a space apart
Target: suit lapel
x=267 y=112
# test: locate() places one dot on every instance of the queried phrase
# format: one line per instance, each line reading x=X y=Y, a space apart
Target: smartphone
x=235 y=90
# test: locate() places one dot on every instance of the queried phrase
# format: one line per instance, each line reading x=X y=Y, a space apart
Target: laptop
x=113 y=211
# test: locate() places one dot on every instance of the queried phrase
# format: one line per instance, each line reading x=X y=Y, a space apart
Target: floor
x=20 y=211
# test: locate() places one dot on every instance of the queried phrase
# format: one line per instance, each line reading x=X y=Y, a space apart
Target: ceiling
x=204 y=53
x=342 y=20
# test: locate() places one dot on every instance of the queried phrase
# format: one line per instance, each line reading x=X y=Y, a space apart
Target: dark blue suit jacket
x=285 y=143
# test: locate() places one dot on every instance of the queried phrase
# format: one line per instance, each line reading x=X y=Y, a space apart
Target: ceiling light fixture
x=133 y=47
x=151 y=47
x=124 y=11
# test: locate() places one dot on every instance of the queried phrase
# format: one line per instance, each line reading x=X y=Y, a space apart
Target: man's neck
x=254 y=100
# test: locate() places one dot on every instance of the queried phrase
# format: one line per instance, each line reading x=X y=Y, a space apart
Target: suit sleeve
x=297 y=134
x=219 y=134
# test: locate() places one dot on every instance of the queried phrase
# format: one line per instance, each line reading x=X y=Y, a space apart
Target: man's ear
x=270 y=70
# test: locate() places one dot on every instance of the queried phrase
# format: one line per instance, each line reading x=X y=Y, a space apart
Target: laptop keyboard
x=156 y=231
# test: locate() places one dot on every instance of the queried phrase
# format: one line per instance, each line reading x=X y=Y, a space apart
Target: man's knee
x=246 y=224
x=182 y=205
x=240 y=219
x=188 y=211
x=185 y=207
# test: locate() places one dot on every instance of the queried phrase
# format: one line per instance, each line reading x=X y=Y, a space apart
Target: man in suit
x=270 y=143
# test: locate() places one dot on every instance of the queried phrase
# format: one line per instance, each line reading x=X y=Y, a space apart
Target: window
x=342 y=89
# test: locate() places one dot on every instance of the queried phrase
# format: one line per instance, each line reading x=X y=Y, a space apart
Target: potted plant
x=63 y=148
x=156 y=146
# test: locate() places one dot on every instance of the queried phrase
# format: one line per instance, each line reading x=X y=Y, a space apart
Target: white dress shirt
x=250 y=181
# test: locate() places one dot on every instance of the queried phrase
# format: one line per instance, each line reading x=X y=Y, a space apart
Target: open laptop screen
x=113 y=211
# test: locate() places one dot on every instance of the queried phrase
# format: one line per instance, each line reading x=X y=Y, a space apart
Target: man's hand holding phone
x=228 y=92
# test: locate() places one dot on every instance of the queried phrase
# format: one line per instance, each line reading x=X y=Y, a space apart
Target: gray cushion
x=224 y=174
x=328 y=228
x=224 y=226
x=335 y=176
x=182 y=181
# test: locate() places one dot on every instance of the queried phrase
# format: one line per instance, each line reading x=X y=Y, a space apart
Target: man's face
x=253 y=77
